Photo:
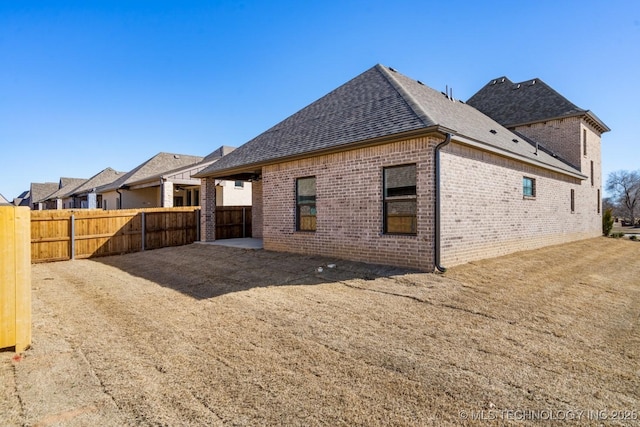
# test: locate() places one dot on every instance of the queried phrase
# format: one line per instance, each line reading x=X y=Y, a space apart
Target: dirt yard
x=207 y=335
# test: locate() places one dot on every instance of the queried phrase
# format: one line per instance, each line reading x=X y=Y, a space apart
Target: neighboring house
x=4 y=202
x=387 y=170
x=38 y=194
x=84 y=196
x=22 y=199
x=55 y=199
x=165 y=180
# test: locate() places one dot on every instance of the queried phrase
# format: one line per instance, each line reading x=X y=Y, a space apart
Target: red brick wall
x=349 y=205
x=207 y=206
x=256 y=209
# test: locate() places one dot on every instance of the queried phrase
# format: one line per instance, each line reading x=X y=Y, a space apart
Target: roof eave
x=222 y=173
x=588 y=114
x=509 y=154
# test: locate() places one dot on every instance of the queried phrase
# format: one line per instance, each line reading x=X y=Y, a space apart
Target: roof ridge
x=406 y=95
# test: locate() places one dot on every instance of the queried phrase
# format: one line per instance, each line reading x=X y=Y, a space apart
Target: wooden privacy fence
x=58 y=235
x=233 y=222
x=15 y=278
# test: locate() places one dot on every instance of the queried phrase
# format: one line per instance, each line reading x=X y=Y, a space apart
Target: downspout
x=120 y=194
x=437 y=221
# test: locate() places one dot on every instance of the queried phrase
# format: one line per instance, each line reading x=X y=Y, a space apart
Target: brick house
x=384 y=169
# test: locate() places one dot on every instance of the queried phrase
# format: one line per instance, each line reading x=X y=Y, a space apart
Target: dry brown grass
x=204 y=335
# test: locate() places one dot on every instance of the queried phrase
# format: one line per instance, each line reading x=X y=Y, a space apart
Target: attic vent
x=420 y=83
x=515 y=140
x=392 y=69
x=493 y=82
x=175 y=156
x=502 y=81
x=516 y=86
x=532 y=83
x=493 y=131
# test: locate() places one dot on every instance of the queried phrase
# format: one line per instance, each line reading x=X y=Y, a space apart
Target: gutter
x=437 y=222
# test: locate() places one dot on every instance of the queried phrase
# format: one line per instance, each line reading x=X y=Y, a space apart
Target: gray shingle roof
x=104 y=177
x=40 y=190
x=379 y=102
x=65 y=186
x=531 y=101
x=4 y=201
x=154 y=167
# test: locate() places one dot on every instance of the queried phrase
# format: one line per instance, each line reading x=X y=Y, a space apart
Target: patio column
x=208 y=210
x=167 y=194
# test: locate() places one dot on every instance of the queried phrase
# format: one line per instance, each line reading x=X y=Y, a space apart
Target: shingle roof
x=4 y=201
x=40 y=190
x=65 y=186
x=104 y=177
x=531 y=101
x=155 y=166
x=379 y=102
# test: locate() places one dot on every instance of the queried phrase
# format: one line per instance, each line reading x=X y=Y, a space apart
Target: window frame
x=573 y=201
x=525 y=187
x=312 y=204
x=387 y=200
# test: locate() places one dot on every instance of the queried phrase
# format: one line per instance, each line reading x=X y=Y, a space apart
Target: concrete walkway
x=244 y=243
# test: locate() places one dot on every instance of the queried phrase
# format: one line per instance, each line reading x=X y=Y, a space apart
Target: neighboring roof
x=154 y=167
x=64 y=187
x=4 y=201
x=104 y=177
x=218 y=153
x=378 y=103
x=532 y=101
x=40 y=190
x=22 y=199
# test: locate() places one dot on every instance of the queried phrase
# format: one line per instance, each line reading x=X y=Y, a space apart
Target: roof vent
x=493 y=131
x=516 y=86
x=392 y=69
x=502 y=81
x=532 y=83
x=420 y=83
x=493 y=82
x=515 y=140
x=175 y=156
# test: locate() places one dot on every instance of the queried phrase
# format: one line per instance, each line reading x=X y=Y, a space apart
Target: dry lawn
x=207 y=335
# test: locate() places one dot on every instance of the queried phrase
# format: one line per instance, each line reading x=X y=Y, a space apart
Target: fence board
x=15 y=278
x=101 y=233
x=233 y=222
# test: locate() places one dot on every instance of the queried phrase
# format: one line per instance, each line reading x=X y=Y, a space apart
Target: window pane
x=306 y=190
x=528 y=187
x=401 y=216
x=306 y=204
x=400 y=181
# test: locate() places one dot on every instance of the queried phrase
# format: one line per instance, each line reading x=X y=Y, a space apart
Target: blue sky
x=86 y=85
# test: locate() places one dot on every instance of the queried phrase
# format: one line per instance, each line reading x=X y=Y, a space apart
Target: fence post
x=198 y=213
x=144 y=230
x=244 y=223
x=72 y=237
